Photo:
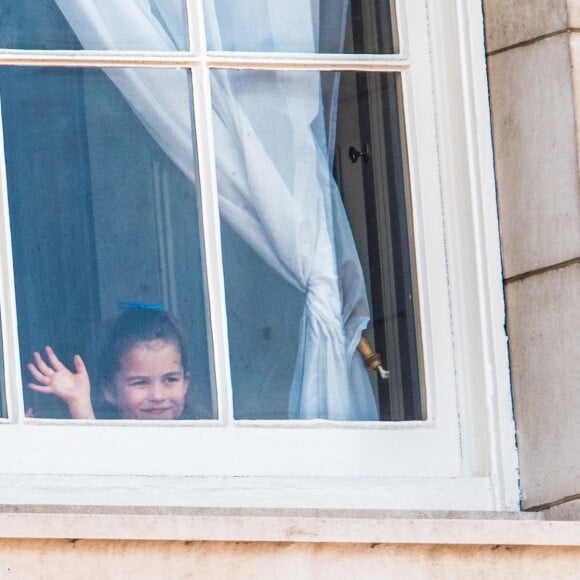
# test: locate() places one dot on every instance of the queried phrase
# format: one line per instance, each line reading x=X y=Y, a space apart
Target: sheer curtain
x=274 y=137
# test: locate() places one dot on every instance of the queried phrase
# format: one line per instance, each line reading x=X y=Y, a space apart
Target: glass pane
x=321 y=26
x=300 y=288
x=158 y=25
x=370 y=169
x=106 y=243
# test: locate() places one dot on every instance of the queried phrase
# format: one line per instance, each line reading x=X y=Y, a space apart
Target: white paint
x=501 y=427
x=348 y=493
x=473 y=250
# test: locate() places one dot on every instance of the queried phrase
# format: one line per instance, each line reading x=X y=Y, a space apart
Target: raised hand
x=54 y=378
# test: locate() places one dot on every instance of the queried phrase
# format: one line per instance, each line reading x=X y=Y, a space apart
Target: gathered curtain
x=274 y=138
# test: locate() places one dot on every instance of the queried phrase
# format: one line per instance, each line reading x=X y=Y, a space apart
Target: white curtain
x=273 y=134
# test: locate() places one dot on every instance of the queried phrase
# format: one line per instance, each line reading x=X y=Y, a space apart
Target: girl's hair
x=132 y=327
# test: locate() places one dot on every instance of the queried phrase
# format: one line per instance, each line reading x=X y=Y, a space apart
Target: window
x=273 y=191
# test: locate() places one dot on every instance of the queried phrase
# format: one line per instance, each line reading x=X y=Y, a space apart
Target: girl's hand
x=53 y=378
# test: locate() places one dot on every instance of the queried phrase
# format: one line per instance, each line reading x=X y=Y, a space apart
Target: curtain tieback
x=371 y=358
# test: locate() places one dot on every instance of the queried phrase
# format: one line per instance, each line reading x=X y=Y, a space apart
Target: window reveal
x=3 y=410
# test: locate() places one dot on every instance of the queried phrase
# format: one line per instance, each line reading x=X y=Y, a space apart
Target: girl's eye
x=172 y=379
x=138 y=383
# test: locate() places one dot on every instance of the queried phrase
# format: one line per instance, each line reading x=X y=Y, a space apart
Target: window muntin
x=100 y=217
x=41 y=25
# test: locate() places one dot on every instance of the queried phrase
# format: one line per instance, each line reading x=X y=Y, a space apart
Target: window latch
x=354 y=153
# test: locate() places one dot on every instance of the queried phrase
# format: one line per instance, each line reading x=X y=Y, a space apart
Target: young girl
x=143 y=370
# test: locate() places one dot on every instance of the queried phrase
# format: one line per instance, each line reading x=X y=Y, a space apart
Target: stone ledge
x=264 y=525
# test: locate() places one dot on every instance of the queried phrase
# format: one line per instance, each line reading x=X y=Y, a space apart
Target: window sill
x=270 y=525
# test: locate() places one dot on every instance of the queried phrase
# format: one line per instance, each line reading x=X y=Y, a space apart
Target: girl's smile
x=151 y=383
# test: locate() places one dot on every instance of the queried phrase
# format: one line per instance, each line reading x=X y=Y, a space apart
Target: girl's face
x=150 y=383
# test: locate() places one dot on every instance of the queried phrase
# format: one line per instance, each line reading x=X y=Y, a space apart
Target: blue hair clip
x=139 y=306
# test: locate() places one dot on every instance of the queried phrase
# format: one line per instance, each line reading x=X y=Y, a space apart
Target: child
x=143 y=370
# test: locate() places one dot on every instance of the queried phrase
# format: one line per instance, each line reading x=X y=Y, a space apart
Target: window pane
x=104 y=223
x=325 y=26
x=299 y=287
x=93 y=25
x=370 y=170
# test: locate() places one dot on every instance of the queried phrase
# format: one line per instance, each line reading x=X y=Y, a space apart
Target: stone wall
x=178 y=543
x=87 y=560
x=533 y=49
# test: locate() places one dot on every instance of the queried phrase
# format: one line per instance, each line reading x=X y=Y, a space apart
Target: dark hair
x=132 y=327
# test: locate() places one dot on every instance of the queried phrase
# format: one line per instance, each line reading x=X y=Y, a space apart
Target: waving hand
x=54 y=378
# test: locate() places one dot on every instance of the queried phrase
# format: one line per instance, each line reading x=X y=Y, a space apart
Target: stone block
x=569 y=511
x=535 y=148
x=543 y=313
x=510 y=22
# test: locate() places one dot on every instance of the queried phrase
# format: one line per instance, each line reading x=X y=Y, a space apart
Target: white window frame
x=461 y=457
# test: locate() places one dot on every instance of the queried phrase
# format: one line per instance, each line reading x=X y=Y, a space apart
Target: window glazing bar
x=210 y=219
x=238 y=60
